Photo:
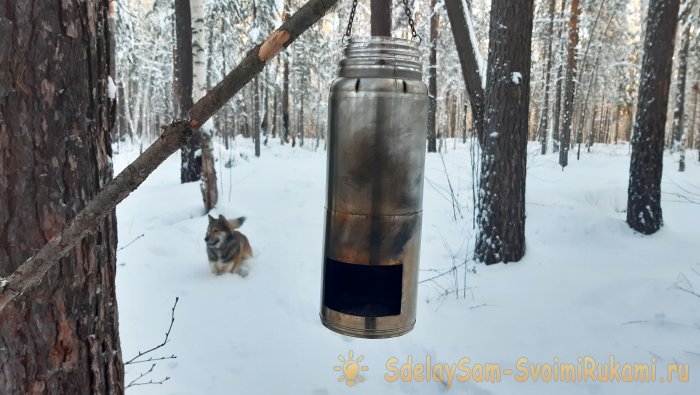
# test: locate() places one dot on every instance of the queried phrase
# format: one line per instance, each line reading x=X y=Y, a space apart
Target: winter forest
x=326 y=197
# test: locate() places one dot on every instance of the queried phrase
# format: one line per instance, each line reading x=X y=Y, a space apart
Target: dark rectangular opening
x=363 y=290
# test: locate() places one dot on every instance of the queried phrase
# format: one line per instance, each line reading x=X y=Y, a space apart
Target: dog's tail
x=236 y=223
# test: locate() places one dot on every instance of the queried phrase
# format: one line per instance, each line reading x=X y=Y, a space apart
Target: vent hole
x=357 y=85
x=405 y=87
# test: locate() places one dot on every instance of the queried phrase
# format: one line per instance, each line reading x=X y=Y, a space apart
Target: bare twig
x=688 y=291
x=442 y=274
x=685 y=199
x=136 y=382
x=31 y=272
x=131 y=242
x=452 y=272
x=167 y=336
x=173 y=356
x=135 y=360
x=685 y=285
x=152 y=382
x=455 y=203
x=142 y=375
x=636 y=322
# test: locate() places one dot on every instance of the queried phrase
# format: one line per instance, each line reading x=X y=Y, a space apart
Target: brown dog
x=226 y=247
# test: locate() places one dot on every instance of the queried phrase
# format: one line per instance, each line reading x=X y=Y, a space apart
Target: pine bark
x=501 y=217
x=56 y=117
x=644 y=193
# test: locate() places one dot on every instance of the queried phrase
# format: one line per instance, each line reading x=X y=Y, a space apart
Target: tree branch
x=467 y=50
x=175 y=135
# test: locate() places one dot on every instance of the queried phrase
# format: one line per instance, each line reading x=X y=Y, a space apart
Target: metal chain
x=407 y=10
x=348 y=30
x=411 y=22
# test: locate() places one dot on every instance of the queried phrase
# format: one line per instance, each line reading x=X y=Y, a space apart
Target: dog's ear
x=222 y=219
x=211 y=219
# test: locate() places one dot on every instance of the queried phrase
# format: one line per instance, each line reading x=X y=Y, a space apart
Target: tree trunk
x=300 y=122
x=616 y=114
x=191 y=153
x=469 y=59
x=591 y=130
x=200 y=65
x=274 y=113
x=544 y=115
x=264 y=125
x=693 y=135
x=559 y=88
x=210 y=192
x=644 y=193
x=199 y=53
x=501 y=217
x=557 y=111
x=570 y=87
x=380 y=17
x=256 y=116
x=285 y=104
x=432 y=78
x=61 y=337
x=679 y=107
x=465 y=126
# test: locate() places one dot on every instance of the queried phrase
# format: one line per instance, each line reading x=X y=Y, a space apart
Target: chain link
x=348 y=30
x=411 y=22
x=407 y=10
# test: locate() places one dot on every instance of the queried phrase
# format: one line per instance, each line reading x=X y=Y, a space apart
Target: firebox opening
x=363 y=290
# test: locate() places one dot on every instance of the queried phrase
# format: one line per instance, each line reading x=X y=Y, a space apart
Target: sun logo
x=350 y=369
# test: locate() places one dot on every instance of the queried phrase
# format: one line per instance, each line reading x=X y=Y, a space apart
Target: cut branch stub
x=273 y=45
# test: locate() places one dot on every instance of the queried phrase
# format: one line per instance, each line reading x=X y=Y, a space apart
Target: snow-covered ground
x=587 y=287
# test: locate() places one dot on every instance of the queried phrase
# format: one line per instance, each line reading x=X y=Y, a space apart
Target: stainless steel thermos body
x=378 y=115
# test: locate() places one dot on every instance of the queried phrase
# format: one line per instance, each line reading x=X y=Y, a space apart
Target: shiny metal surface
x=376 y=157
